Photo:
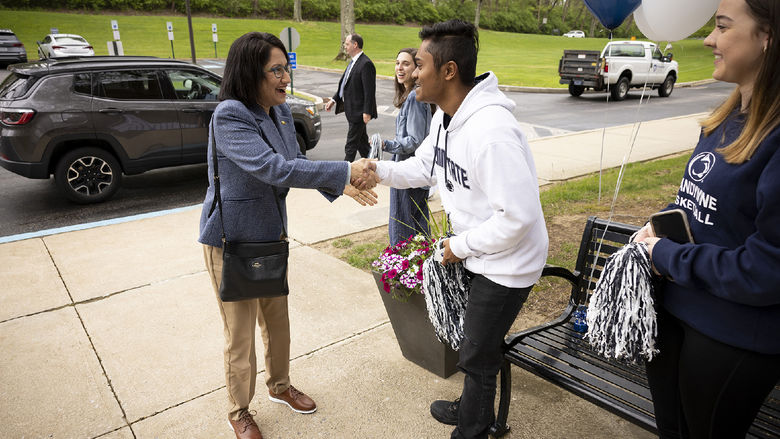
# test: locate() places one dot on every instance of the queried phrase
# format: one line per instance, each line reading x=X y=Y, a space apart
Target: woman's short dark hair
x=245 y=66
x=454 y=40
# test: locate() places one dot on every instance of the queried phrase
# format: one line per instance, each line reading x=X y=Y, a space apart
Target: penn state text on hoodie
x=487 y=180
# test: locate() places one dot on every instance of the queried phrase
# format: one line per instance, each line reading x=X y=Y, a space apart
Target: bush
x=320 y=9
x=518 y=21
x=420 y=11
x=449 y=9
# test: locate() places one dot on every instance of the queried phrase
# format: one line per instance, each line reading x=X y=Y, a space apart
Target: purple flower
x=405 y=264
x=386 y=287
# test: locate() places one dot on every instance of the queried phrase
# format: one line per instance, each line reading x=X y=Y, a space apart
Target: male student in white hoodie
x=479 y=157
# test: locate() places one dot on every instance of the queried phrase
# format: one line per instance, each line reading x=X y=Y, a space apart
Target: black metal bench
x=556 y=352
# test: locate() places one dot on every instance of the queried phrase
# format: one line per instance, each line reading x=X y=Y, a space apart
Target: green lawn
x=517 y=59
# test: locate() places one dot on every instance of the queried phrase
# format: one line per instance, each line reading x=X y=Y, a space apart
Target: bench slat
x=572 y=341
x=586 y=354
x=596 y=376
x=572 y=380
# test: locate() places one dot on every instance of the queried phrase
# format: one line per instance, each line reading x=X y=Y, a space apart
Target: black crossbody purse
x=250 y=270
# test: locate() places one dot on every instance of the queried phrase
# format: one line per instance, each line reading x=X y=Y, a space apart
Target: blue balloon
x=612 y=12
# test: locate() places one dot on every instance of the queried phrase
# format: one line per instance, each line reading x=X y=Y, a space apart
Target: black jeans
x=357 y=141
x=490 y=312
x=703 y=388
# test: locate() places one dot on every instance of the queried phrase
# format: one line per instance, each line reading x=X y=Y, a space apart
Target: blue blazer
x=248 y=168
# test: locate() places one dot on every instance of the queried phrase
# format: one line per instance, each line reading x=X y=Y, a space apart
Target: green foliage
x=654 y=182
x=449 y=9
x=362 y=255
x=519 y=16
x=320 y=9
x=517 y=59
x=521 y=21
x=342 y=243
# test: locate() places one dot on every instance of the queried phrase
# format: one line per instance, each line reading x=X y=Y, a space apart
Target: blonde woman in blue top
x=408 y=207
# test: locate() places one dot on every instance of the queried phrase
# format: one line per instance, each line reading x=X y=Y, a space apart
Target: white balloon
x=672 y=20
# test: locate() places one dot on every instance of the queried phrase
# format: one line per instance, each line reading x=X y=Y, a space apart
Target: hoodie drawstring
x=447 y=183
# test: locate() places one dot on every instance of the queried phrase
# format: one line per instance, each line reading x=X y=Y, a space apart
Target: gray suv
x=11 y=49
x=90 y=120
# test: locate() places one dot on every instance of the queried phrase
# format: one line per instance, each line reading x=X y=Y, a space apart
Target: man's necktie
x=346 y=75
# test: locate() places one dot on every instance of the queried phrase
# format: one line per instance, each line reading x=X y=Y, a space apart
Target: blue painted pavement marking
x=84 y=226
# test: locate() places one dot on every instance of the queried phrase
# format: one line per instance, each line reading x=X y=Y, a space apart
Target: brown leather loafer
x=295 y=399
x=245 y=426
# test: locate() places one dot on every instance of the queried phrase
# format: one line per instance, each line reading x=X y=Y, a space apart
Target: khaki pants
x=238 y=319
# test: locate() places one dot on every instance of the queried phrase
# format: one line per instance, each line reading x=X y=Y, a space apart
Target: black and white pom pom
x=376 y=147
x=621 y=317
x=446 y=289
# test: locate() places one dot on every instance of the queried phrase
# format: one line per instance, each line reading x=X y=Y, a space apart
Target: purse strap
x=217 y=190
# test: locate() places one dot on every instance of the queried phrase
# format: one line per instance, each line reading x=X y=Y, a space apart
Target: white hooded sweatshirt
x=489 y=189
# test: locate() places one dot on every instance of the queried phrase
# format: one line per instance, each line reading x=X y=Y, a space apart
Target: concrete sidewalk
x=113 y=331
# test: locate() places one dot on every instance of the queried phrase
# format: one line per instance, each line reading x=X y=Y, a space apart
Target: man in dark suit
x=356 y=96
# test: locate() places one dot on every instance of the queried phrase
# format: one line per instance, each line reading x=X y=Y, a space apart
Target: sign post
x=291 y=40
x=169 y=26
x=115 y=28
x=115 y=47
x=214 y=38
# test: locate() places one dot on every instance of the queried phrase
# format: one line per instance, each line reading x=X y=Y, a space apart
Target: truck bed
x=581 y=67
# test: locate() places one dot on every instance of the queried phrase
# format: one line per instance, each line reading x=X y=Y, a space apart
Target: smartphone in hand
x=672 y=224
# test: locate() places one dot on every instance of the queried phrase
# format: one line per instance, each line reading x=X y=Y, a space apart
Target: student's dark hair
x=454 y=40
x=358 y=39
x=245 y=66
x=401 y=91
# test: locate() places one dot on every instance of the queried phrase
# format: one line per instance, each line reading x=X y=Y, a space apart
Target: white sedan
x=59 y=45
x=574 y=34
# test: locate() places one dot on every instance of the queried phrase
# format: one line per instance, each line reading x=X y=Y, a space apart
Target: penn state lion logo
x=701 y=165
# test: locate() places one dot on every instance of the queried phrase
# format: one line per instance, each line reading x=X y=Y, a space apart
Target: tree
x=297 y=11
x=476 y=15
x=347 y=26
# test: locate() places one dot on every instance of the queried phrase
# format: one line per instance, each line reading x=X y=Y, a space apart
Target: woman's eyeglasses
x=279 y=70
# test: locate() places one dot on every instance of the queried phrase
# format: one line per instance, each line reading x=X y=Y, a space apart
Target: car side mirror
x=668 y=57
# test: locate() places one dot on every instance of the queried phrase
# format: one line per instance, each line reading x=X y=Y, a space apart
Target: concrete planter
x=415 y=334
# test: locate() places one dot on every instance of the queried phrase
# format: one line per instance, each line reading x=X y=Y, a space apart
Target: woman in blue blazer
x=408 y=207
x=252 y=114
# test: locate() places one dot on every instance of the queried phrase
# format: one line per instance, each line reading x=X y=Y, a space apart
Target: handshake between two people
x=363 y=180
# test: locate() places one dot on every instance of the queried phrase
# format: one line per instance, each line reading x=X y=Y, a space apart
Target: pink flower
x=386 y=287
x=391 y=274
x=405 y=264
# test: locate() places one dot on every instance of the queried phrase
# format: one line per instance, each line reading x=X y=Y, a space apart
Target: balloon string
x=604 y=125
x=632 y=141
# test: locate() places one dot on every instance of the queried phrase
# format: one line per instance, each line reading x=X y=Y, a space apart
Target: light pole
x=189 y=23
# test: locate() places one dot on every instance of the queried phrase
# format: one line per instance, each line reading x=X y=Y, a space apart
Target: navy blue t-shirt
x=727 y=284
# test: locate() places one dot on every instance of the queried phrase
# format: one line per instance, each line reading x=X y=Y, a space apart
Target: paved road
x=33 y=205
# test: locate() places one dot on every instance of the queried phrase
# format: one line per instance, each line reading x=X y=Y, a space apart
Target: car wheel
x=301 y=143
x=666 y=88
x=620 y=90
x=88 y=175
x=576 y=90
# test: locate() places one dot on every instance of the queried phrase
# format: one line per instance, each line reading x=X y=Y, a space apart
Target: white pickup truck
x=620 y=66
